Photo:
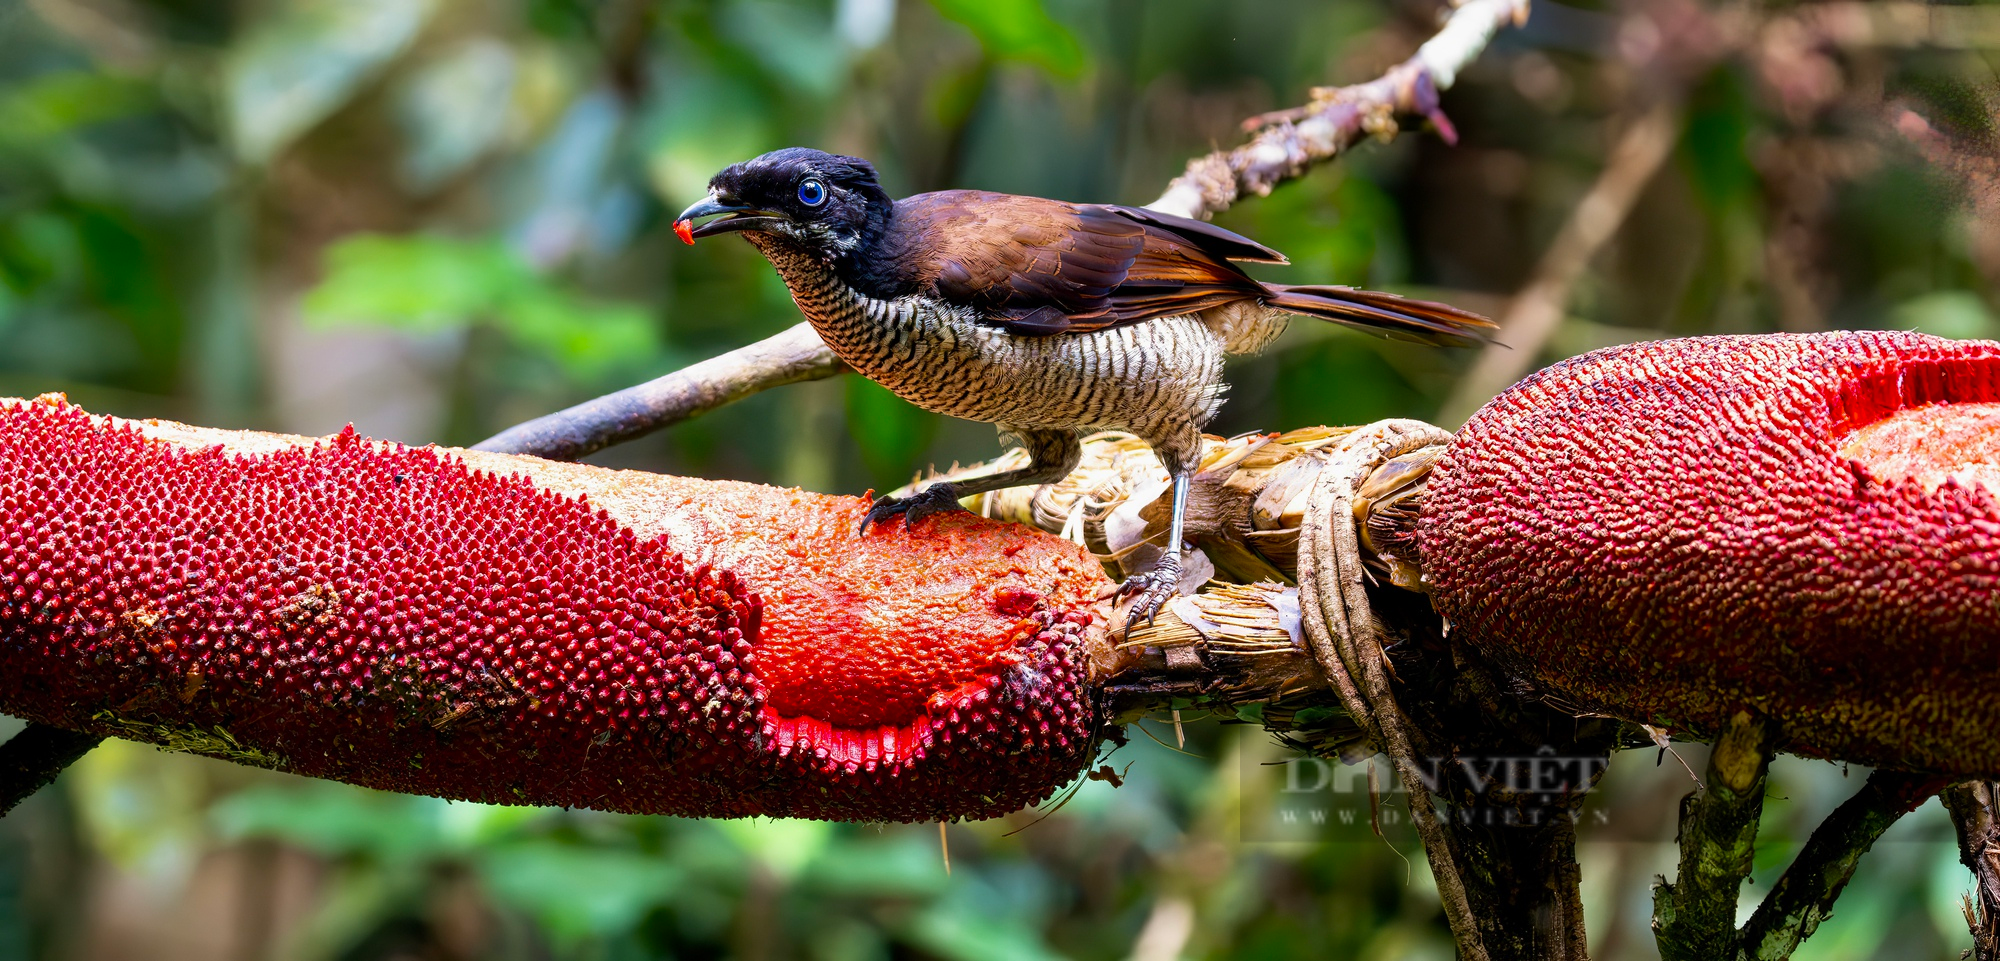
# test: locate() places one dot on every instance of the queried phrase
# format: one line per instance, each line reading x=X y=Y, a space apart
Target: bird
x=1043 y=317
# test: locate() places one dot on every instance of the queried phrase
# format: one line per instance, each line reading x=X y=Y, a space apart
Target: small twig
x=1804 y=896
x=944 y=848
x=1694 y=918
x=1972 y=812
x=30 y=760
x=1535 y=313
x=787 y=358
x=1290 y=142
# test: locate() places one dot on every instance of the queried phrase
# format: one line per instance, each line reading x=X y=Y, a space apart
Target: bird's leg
x=1052 y=455
x=1156 y=587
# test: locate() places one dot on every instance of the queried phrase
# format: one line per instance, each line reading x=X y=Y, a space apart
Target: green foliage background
x=435 y=218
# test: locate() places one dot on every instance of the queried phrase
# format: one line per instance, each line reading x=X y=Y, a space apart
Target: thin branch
x=1288 y=145
x=1535 y=313
x=1290 y=142
x=788 y=358
x=1694 y=918
x=31 y=760
x=1972 y=812
x=1804 y=896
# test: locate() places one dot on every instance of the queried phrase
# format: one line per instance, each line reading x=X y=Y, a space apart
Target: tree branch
x=1290 y=143
x=1972 y=812
x=791 y=357
x=1804 y=896
x=30 y=760
x=1694 y=918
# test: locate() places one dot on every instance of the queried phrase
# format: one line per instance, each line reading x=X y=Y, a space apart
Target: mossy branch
x=1804 y=896
x=1694 y=917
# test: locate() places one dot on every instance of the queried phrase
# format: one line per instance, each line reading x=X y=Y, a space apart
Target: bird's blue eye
x=812 y=193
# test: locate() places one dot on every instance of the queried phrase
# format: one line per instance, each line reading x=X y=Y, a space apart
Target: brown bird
x=1040 y=316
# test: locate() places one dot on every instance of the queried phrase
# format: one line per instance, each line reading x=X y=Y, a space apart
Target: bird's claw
x=938 y=498
x=1150 y=592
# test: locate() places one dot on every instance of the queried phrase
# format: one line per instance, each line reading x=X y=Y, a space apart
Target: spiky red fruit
x=1800 y=525
x=512 y=630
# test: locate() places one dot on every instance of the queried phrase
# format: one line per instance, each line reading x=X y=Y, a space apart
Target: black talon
x=938 y=498
x=1152 y=590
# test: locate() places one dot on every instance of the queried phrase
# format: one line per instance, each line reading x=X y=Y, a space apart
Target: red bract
x=512 y=630
x=1799 y=525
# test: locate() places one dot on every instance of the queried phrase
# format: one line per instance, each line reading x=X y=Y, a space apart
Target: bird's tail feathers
x=1396 y=317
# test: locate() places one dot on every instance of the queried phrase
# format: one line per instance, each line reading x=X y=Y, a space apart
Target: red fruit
x=685 y=231
x=1796 y=524
x=513 y=630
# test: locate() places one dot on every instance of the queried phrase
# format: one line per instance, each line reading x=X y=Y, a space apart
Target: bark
x=30 y=760
x=1694 y=917
x=788 y=358
x=1804 y=896
x=1972 y=806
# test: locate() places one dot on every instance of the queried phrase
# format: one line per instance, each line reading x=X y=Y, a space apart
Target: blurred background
x=436 y=218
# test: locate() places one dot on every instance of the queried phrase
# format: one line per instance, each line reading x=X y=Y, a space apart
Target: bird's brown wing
x=1039 y=266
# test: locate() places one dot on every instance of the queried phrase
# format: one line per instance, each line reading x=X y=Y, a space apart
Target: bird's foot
x=1151 y=591
x=939 y=498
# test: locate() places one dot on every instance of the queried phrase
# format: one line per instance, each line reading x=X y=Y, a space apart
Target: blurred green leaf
x=952 y=98
x=1958 y=314
x=455 y=109
x=892 y=433
x=792 y=42
x=1336 y=377
x=1335 y=229
x=416 y=283
x=55 y=104
x=784 y=845
x=588 y=338
x=426 y=283
x=297 y=68
x=1714 y=147
x=902 y=866
x=712 y=122
x=335 y=819
x=578 y=891
x=39 y=248
x=953 y=930
x=1020 y=30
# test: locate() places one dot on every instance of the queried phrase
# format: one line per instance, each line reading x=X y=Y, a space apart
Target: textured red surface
x=1928 y=445
x=391 y=617
x=1671 y=532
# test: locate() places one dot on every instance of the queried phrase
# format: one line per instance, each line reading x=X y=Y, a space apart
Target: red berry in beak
x=684 y=229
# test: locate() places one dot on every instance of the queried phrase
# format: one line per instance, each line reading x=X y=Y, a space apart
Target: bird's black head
x=827 y=203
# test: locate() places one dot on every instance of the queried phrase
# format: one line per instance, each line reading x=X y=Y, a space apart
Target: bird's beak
x=745 y=218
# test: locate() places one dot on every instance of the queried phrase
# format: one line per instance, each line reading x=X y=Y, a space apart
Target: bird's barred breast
x=1149 y=378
